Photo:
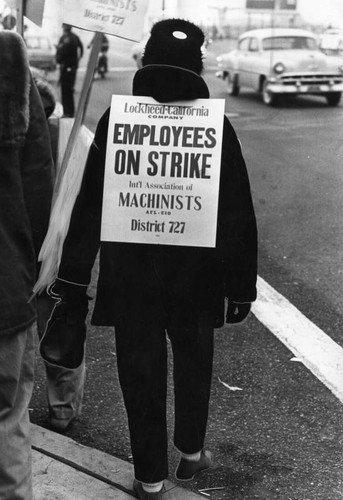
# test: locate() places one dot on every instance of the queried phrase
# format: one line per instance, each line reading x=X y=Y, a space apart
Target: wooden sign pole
x=72 y=164
x=81 y=109
x=20 y=16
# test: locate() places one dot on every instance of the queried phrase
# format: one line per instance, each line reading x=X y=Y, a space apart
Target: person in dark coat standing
x=69 y=52
x=147 y=290
x=26 y=170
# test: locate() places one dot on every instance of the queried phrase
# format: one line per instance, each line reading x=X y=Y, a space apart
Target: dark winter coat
x=25 y=184
x=69 y=50
x=191 y=278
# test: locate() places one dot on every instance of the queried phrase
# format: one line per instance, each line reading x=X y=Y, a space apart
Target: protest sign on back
x=32 y=9
x=122 y=18
x=162 y=171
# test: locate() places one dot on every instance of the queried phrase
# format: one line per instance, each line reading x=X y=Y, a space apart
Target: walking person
x=25 y=195
x=69 y=52
x=146 y=291
x=102 y=64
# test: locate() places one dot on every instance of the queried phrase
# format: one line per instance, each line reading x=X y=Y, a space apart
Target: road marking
x=317 y=351
x=314 y=348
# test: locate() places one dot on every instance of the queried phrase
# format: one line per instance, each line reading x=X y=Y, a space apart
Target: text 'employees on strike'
x=195 y=137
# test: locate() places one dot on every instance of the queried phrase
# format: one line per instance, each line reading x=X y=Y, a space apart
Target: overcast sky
x=317 y=11
x=322 y=10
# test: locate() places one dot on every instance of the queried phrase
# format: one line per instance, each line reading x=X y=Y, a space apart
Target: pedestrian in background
x=146 y=291
x=102 y=63
x=25 y=196
x=69 y=52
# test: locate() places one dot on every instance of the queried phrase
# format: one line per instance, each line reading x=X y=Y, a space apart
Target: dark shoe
x=144 y=495
x=186 y=470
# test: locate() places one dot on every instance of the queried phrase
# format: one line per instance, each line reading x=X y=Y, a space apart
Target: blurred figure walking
x=102 y=64
x=69 y=52
x=25 y=196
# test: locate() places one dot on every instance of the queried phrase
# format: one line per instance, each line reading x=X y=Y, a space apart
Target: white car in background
x=331 y=42
x=282 y=61
x=41 y=51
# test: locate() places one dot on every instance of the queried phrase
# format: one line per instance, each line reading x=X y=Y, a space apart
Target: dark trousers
x=67 y=81
x=142 y=366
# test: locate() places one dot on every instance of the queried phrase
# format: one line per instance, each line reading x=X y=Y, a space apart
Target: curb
x=66 y=470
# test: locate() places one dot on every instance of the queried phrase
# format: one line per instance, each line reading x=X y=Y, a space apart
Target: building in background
x=237 y=16
x=228 y=18
x=225 y=18
x=218 y=18
x=281 y=13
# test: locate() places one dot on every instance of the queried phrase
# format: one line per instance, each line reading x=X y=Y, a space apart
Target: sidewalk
x=66 y=470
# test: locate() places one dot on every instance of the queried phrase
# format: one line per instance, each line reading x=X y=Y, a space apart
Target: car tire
x=333 y=98
x=232 y=85
x=268 y=97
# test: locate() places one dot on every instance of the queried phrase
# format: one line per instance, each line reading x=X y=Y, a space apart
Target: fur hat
x=175 y=42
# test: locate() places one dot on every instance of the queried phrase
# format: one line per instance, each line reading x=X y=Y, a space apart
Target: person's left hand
x=237 y=312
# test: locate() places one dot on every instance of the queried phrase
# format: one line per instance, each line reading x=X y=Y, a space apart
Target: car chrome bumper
x=279 y=88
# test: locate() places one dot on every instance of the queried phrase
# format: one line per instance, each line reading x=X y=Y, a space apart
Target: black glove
x=65 y=333
x=236 y=312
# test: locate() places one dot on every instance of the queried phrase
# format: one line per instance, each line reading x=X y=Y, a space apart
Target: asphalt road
x=280 y=436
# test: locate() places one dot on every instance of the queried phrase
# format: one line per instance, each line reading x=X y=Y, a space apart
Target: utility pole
x=222 y=11
x=276 y=9
x=221 y=16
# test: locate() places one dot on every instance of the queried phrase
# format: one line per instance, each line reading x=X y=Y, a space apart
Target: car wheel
x=232 y=85
x=268 y=97
x=333 y=98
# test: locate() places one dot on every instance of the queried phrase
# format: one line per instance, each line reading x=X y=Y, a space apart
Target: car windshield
x=289 y=43
x=37 y=43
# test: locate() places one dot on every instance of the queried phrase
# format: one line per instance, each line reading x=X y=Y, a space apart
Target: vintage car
x=331 y=42
x=41 y=52
x=282 y=61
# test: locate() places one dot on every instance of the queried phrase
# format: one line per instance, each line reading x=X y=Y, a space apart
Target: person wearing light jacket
x=26 y=169
x=147 y=290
